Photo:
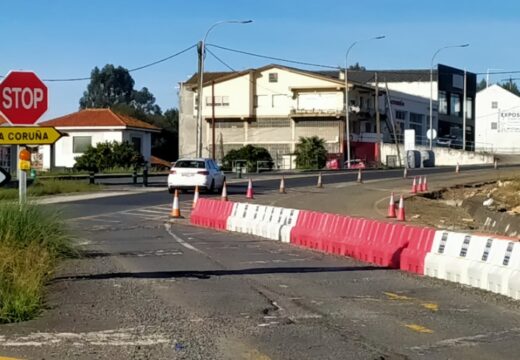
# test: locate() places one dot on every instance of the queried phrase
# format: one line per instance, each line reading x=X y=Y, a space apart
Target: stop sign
x=23 y=97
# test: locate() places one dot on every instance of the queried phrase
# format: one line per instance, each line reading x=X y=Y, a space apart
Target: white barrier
x=290 y=218
x=499 y=275
x=238 y=214
x=446 y=245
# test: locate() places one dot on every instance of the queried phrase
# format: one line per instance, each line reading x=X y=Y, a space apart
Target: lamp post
x=431 y=87
x=347 y=123
x=202 y=54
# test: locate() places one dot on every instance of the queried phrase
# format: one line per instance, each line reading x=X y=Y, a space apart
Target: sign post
x=23 y=100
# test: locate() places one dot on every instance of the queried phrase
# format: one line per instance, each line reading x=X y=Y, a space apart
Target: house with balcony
x=272 y=106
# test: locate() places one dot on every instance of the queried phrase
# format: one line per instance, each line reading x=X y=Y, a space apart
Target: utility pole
x=213 y=119
x=464 y=110
x=198 y=132
x=378 y=121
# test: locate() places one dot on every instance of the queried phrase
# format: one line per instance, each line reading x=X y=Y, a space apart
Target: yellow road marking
x=7 y=358
x=393 y=296
x=431 y=306
x=419 y=328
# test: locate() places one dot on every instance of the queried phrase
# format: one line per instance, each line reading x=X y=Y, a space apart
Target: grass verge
x=32 y=240
x=50 y=187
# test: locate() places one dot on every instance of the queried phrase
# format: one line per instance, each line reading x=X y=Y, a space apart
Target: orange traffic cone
x=249 y=193
x=176 y=211
x=425 y=184
x=400 y=212
x=224 y=196
x=405 y=173
x=419 y=184
x=414 y=186
x=457 y=168
x=391 y=207
x=195 y=197
x=320 y=183
x=282 y=186
x=359 y=177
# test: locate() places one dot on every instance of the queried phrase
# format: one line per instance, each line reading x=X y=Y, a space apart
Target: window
x=136 y=142
x=443 y=103
x=273 y=77
x=219 y=100
x=469 y=108
x=400 y=115
x=455 y=105
x=494 y=104
x=494 y=126
x=270 y=122
x=80 y=144
x=190 y=164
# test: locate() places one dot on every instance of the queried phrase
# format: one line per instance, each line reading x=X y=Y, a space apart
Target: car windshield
x=190 y=164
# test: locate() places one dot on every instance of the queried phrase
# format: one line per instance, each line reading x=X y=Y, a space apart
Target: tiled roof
x=208 y=76
x=98 y=117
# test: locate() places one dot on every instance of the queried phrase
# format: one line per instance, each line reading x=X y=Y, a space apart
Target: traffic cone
x=391 y=207
x=282 y=186
x=359 y=177
x=249 y=193
x=320 y=183
x=405 y=173
x=224 y=196
x=425 y=184
x=419 y=184
x=195 y=197
x=176 y=211
x=400 y=212
x=457 y=168
x=414 y=186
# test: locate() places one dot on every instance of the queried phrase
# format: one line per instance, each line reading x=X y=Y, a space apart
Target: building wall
x=187 y=122
x=418 y=88
x=497 y=122
x=146 y=141
x=64 y=155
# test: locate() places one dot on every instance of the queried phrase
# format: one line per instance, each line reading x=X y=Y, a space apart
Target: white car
x=188 y=173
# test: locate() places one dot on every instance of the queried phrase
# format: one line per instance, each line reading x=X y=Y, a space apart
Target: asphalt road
x=264 y=183
x=147 y=288
x=150 y=289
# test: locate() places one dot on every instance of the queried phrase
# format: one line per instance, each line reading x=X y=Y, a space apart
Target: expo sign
x=23 y=97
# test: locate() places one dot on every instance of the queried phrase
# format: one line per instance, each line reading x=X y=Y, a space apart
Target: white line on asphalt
x=152 y=211
x=168 y=228
x=119 y=337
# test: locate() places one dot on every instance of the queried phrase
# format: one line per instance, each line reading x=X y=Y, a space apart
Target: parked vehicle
x=355 y=164
x=201 y=172
x=450 y=141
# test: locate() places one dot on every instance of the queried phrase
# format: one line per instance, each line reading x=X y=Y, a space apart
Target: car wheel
x=212 y=187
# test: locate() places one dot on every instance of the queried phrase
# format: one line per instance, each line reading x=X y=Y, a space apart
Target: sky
x=66 y=39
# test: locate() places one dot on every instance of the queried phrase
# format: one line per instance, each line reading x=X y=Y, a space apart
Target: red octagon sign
x=23 y=97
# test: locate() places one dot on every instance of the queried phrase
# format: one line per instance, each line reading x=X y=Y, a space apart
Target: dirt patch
x=470 y=207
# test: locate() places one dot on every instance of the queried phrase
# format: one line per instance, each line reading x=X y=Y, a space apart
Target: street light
x=431 y=87
x=346 y=93
x=202 y=54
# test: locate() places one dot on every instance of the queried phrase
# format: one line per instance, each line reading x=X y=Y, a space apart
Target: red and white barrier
x=474 y=260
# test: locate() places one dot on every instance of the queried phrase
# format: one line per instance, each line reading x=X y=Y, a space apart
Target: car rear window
x=190 y=164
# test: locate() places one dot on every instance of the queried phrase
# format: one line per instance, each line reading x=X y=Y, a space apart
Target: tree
x=311 y=153
x=356 y=66
x=113 y=87
x=511 y=86
x=481 y=85
x=251 y=154
x=109 y=155
x=108 y=86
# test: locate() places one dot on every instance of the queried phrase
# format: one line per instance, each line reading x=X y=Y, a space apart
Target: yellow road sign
x=28 y=135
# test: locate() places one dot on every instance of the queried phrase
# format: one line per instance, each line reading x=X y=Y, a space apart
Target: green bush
x=32 y=239
x=311 y=153
x=109 y=155
x=251 y=154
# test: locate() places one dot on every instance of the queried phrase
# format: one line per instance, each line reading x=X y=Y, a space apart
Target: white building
x=92 y=126
x=498 y=121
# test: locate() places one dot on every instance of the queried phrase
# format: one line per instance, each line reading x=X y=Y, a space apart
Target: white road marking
x=120 y=337
x=168 y=228
x=159 y=212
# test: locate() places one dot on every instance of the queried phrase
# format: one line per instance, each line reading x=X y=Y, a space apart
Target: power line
x=130 y=70
x=273 y=58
